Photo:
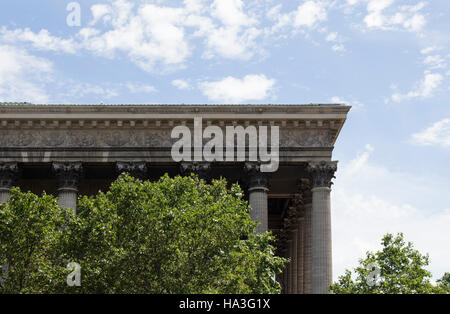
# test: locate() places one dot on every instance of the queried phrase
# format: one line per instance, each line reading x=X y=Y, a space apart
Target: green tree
x=444 y=283
x=31 y=237
x=397 y=269
x=176 y=235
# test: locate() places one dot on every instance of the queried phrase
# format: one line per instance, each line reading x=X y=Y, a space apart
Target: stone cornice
x=193 y=108
x=271 y=113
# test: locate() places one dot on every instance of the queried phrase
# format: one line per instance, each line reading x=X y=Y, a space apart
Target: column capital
x=68 y=174
x=201 y=168
x=256 y=178
x=321 y=173
x=9 y=173
x=137 y=169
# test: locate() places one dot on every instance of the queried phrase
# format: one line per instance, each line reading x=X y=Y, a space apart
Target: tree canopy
x=397 y=269
x=175 y=235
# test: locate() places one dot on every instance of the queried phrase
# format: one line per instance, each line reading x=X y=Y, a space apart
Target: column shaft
x=258 y=186
x=294 y=262
x=321 y=174
x=307 y=250
x=4 y=196
x=67 y=198
x=321 y=240
x=300 y=257
x=289 y=267
x=259 y=208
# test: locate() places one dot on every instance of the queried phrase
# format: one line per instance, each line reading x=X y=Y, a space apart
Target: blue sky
x=387 y=58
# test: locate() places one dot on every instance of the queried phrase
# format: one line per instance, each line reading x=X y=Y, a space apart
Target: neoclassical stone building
x=71 y=150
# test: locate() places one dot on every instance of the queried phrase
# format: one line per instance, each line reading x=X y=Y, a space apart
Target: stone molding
x=174 y=108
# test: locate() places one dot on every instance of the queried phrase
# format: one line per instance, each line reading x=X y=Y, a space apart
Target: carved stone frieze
x=306 y=137
x=139 y=137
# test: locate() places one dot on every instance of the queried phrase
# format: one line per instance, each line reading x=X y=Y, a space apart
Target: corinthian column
x=258 y=186
x=300 y=261
x=137 y=169
x=321 y=174
x=68 y=175
x=9 y=172
x=307 y=250
x=201 y=168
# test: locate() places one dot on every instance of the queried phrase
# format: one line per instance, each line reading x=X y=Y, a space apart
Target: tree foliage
x=31 y=237
x=397 y=269
x=176 y=235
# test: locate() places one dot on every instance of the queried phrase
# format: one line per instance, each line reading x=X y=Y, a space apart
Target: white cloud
x=154 y=35
x=369 y=201
x=137 y=88
x=307 y=15
x=231 y=13
x=332 y=36
x=428 y=50
x=310 y=13
x=235 y=34
x=338 y=48
x=354 y=103
x=403 y=16
x=181 y=84
x=235 y=90
x=41 y=41
x=435 y=62
x=438 y=134
x=79 y=90
x=148 y=35
x=22 y=76
x=99 y=11
x=353 y=2
x=424 y=89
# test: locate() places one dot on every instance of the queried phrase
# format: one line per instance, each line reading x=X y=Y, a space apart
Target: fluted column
x=201 y=168
x=136 y=169
x=294 y=263
x=321 y=175
x=258 y=186
x=300 y=257
x=285 y=276
x=68 y=175
x=289 y=267
x=307 y=250
x=9 y=173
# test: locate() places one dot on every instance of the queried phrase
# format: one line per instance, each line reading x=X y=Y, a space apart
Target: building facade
x=71 y=150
